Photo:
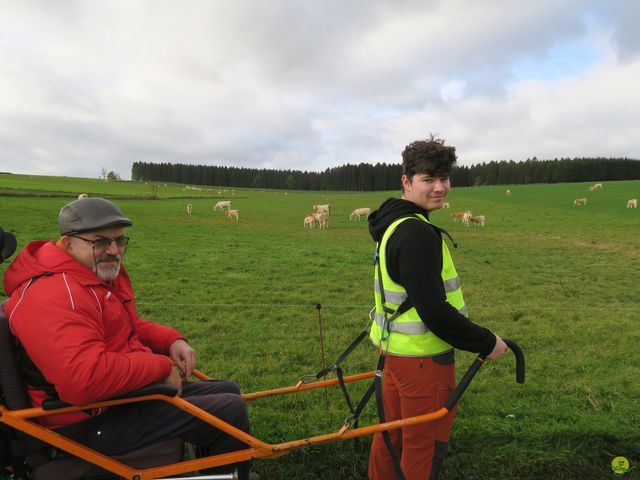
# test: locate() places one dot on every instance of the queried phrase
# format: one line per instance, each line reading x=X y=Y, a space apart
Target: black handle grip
x=517 y=351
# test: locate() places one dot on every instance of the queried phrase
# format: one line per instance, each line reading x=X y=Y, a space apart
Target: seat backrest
x=11 y=382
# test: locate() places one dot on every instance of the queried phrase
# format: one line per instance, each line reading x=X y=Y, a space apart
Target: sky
x=89 y=85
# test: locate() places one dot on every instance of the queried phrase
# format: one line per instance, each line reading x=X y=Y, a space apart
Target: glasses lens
x=122 y=241
x=102 y=243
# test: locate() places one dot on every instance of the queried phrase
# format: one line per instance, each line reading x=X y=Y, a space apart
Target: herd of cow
x=582 y=202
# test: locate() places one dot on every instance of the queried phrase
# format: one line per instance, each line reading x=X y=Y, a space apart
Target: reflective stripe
x=389 y=295
x=452 y=285
x=463 y=311
x=408 y=328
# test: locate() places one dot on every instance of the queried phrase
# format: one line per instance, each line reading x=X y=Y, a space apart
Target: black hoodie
x=414 y=260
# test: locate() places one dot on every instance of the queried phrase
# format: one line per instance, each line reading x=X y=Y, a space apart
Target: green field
x=560 y=280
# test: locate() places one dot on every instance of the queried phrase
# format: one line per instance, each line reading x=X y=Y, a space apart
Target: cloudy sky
x=307 y=84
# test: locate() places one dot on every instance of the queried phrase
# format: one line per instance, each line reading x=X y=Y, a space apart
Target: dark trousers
x=128 y=427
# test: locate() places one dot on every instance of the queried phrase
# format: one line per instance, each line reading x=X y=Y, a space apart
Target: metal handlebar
x=475 y=366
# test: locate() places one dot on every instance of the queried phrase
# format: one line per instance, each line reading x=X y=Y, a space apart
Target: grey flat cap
x=88 y=214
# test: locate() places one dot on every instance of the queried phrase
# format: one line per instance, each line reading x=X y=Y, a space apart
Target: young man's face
x=105 y=261
x=426 y=191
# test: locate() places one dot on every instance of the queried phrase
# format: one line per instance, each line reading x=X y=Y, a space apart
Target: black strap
x=377 y=381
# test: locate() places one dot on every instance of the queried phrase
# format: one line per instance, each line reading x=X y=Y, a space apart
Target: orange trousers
x=413 y=386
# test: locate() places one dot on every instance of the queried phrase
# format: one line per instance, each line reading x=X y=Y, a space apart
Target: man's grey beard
x=106 y=271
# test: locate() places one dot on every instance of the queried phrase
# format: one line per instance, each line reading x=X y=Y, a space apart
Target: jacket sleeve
x=65 y=338
x=414 y=254
x=157 y=337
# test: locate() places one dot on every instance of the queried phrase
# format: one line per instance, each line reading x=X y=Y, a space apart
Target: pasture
x=560 y=280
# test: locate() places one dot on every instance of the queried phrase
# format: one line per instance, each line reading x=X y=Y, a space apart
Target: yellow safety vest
x=405 y=334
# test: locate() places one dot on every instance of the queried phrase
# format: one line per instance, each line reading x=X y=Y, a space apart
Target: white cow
x=580 y=201
x=83 y=195
x=322 y=219
x=189 y=208
x=466 y=218
x=446 y=205
x=359 y=212
x=233 y=213
x=222 y=205
x=633 y=203
x=508 y=193
x=322 y=208
x=597 y=186
x=309 y=221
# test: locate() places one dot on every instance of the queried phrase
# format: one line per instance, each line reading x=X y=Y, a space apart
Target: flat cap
x=89 y=214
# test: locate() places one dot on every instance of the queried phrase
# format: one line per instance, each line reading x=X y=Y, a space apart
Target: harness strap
x=377 y=381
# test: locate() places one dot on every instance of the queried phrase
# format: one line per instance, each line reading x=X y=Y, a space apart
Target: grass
x=560 y=280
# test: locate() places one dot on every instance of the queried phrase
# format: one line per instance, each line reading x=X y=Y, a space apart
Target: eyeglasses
x=103 y=243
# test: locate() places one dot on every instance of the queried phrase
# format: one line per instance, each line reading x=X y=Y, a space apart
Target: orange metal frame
x=22 y=420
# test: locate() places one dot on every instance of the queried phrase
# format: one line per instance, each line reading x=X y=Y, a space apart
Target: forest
x=382 y=176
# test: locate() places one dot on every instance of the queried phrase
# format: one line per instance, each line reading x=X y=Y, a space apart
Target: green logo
x=620 y=466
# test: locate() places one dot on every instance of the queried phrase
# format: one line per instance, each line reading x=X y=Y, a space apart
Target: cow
x=309 y=221
x=83 y=195
x=359 y=212
x=633 y=203
x=597 y=186
x=580 y=201
x=479 y=220
x=322 y=219
x=508 y=193
x=457 y=216
x=222 y=205
x=189 y=208
x=322 y=208
x=466 y=218
x=446 y=205
x=233 y=213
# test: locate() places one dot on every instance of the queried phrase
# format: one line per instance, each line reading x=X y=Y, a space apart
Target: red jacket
x=83 y=335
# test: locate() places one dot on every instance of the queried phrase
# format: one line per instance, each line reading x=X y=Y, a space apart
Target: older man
x=72 y=309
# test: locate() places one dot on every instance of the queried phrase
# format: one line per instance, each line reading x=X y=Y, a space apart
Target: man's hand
x=175 y=379
x=183 y=356
x=498 y=350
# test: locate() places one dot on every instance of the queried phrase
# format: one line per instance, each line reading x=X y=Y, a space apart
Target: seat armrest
x=151 y=389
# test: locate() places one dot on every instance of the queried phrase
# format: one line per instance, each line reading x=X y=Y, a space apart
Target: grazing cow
x=479 y=220
x=322 y=219
x=457 y=216
x=466 y=218
x=233 y=213
x=597 y=186
x=508 y=193
x=222 y=205
x=359 y=212
x=446 y=205
x=580 y=201
x=83 y=195
x=189 y=208
x=309 y=221
x=591 y=188
x=633 y=203
x=322 y=208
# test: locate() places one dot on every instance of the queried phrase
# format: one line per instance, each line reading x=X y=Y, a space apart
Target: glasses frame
x=121 y=238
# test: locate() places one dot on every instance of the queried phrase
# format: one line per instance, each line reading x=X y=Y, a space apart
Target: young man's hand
x=498 y=350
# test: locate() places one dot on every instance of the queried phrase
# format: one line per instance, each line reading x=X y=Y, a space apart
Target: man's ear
x=64 y=243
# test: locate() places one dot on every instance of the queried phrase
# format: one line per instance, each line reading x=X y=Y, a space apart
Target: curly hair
x=429 y=156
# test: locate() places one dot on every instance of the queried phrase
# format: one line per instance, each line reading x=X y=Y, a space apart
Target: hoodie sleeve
x=60 y=325
x=414 y=260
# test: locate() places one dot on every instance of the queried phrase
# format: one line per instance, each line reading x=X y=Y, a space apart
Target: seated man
x=73 y=312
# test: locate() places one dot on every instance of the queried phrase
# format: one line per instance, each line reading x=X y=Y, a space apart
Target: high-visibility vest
x=405 y=334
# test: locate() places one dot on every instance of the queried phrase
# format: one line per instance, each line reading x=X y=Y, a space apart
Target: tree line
x=381 y=176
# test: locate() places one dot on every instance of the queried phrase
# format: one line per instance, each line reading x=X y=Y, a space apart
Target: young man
x=420 y=315
x=72 y=310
